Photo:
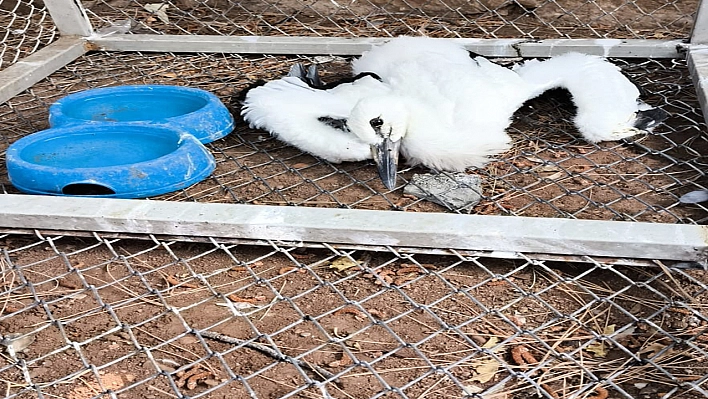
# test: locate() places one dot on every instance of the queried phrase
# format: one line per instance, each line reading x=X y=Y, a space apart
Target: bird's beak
x=386 y=159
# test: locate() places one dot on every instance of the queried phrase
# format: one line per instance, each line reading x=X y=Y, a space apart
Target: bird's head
x=382 y=123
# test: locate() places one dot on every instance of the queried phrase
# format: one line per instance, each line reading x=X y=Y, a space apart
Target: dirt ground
x=133 y=317
x=550 y=172
x=381 y=323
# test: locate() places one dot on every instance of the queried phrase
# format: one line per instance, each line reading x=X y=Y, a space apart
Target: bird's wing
x=459 y=106
x=607 y=101
x=305 y=117
x=383 y=59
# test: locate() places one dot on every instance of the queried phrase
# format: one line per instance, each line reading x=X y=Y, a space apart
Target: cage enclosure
x=578 y=274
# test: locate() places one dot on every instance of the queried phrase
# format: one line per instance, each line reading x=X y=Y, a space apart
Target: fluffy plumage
x=608 y=103
x=454 y=108
x=443 y=108
x=306 y=117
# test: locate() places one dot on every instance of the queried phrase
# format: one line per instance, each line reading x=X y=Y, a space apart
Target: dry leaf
x=16 y=342
x=490 y=343
x=159 y=10
x=495 y=392
x=625 y=334
x=342 y=263
x=486 y=368
x=471 y=389
x=653 y=349
x=600 y=349
x=556 y=176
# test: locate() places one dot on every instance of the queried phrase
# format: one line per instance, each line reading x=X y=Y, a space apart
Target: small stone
x=36 y=372
x=188 y=340
x=458 y=191
x=694 y=197
x=211 y=382
x=166 y=368
x=129 y=377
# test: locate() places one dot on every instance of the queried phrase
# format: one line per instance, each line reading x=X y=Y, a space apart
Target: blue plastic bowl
x=107 y=160
x=193 y=110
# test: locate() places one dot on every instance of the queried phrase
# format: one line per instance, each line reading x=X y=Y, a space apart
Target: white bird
x=313 y=120
x=439 y=106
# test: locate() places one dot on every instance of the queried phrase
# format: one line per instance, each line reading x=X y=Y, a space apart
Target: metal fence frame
x=504 y=234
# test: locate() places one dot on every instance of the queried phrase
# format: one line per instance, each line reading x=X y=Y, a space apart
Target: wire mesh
x=640 y=19
x=100 y=316
x=550 y=172
x=25 y=27
x=107 y=317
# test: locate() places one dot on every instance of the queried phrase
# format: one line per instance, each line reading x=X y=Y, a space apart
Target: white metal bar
x=361 y=227
x=33 y=68
x=698 y=67
x=357 y=247
x=69 y=17
x=354 y=46
x=700 y=24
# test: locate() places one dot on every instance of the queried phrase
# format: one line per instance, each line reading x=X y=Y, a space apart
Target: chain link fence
x=25 y=27
x=550 y=172
x=89 y=315
x=157 y=318
x=640 y=19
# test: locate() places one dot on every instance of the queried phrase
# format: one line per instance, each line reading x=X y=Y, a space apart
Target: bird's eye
x=376 y=123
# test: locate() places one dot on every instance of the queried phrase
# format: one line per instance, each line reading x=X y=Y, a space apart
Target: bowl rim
x=79 y=96
x=213 y=106
x=184 y=142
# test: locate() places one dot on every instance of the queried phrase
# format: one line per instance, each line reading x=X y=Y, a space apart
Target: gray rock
x=458 y=191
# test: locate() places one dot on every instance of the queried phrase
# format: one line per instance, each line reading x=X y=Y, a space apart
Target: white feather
x=288 y=109
x=449 y=111
x=456 y=108
x=607 y=101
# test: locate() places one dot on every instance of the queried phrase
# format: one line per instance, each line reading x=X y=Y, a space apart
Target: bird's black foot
x=648 y=119
x=309 y=75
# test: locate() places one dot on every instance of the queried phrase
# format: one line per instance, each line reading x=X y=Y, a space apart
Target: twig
x=686 y=297
x=270 y=352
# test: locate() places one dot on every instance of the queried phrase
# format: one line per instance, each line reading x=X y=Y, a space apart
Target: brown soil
x=133 y=310
x=550 y=172
x=126 y=316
